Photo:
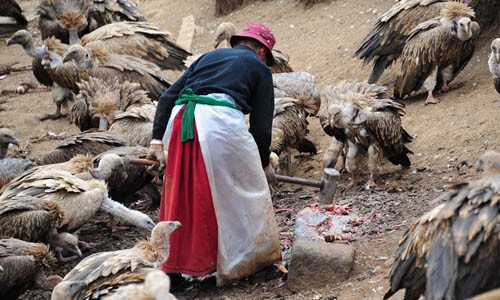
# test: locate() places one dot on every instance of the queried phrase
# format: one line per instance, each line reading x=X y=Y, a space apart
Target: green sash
x=189 y=97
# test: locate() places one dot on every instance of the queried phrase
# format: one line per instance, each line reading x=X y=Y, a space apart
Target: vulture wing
x=140 y=40
x=10 y=8
x=28 y=218
x=109 y=11
x=425 y=50
x=133 y=69
x=463 y=259
x=408 y=269
x=388 y=37
x=280 y=62
x=386 y=128
x=90 y=142
x=106 y=264
x=300 y=86
x=17 y=276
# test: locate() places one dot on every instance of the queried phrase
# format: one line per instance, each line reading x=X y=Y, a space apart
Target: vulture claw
x=53 y=116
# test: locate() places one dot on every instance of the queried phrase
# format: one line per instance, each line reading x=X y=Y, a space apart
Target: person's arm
x=261 y=117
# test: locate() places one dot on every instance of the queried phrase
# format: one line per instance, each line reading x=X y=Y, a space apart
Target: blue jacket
x=238 y=72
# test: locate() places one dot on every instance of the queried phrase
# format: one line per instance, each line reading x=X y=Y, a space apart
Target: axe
x=327 y=186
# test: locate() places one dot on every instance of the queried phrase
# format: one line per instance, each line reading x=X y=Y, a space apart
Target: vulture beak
x=95 y=173
x=1 y=269
x=497 y=56
x=216 y=42
x=77 y=251
x=9 y=139
x=11 y=41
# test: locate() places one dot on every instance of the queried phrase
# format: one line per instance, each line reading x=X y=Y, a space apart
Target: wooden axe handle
x=301 y=181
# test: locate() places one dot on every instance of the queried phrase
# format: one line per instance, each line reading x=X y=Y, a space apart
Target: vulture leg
x=333 y=153
x=429 y=84
x=46 y=283
x=448 y=87
x=285 y=162
x=373 y=165
x=61 y=97
x=352 y=164
x=113 y=224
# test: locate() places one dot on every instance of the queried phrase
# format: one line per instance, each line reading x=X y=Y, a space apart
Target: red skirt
x=186 y=198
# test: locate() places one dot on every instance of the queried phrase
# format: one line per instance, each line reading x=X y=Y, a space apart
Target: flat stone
x=315 y=264
x=186 y=33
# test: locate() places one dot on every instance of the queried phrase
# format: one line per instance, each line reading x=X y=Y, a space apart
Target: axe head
x=329 y=185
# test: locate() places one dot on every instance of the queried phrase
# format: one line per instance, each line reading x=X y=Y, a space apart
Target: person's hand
x=156 y=152
x=270 y=175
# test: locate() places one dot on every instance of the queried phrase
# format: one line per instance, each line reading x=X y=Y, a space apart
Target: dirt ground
x=449 y=136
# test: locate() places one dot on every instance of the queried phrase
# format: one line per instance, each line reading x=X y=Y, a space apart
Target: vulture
x=79 y=199
x=452 y=251
x=156 y=286
x=105 y=99
x=123 y=174
x=437 y=51
x=385 y=42
x=80 y=63
x=10 y=8
x=494 y=63
x=90 y=142
x=227 y=29
x=370 y=124
x=296 y=98
x=25 y=39
x=98 y=274
x=10 y=167
x=339 y=143
x=60 y=94
x=24 y=263
x=33 y=220
x=72 y=18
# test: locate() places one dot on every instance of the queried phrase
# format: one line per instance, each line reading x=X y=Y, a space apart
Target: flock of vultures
x=105 y=62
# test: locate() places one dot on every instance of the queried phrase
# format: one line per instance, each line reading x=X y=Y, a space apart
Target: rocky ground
x=449 y=136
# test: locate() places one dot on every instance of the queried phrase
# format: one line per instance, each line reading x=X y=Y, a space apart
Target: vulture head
x=66 y=289
x=109 y=164
x=224 y=32
x=489 y=162
x=495 y=51
x=21 y=37
x=347 y=110
x=457 y=17
x=126 y=214
x=160 y=237
x=79 y=54
x=7 y=137
x=65 y=241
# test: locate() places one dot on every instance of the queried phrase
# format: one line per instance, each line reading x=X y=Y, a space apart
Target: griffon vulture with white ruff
x=371 y=124
x=385 y=42
x=24 y=264
x=60 y=95
x=494 y=63
x=227 y=29
x=452 y=251
x=99 y=269
x=436 y=51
